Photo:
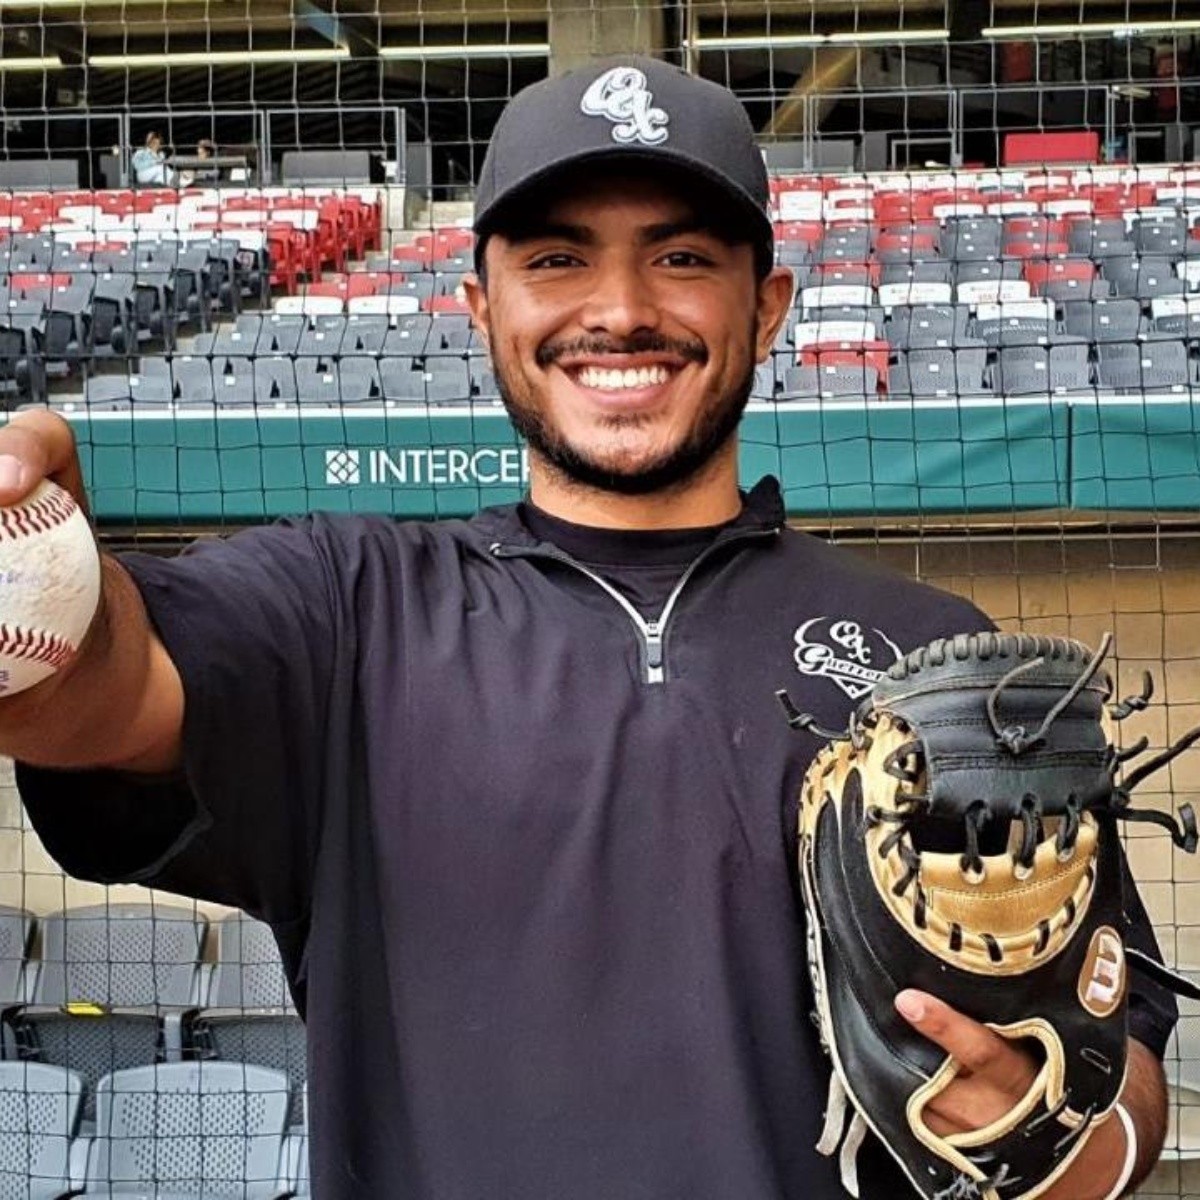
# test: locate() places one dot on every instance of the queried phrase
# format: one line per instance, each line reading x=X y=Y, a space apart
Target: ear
x=477 y=302
x=774 y=301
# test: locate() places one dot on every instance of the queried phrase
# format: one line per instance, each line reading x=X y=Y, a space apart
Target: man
x=514 y=793
x=150 y=163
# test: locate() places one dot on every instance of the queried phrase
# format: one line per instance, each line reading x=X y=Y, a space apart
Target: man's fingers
x=37 y=445
x=975 y=1047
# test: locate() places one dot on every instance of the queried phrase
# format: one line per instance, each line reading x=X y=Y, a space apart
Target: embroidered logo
x=843 y=651
x=621 y=95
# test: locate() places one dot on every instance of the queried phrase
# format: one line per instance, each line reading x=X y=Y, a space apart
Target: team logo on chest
x=845 y=652
x=621 y=95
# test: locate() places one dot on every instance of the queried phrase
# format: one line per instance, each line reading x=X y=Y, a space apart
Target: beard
x=716 y=423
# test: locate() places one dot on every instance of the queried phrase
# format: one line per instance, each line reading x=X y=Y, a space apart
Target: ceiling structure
x=78 y=29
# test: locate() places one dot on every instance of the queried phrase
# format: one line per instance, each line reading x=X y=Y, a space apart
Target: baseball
x=49 y=585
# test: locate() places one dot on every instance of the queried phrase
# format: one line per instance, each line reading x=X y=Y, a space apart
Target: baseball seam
x=35 y=645
x=37 y=516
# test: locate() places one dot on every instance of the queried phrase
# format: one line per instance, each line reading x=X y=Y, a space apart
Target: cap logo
x=621 y=95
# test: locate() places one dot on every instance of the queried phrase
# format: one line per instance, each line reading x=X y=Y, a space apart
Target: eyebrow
x=581 y=235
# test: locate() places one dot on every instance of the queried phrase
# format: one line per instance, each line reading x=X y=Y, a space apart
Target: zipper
x=652 y=634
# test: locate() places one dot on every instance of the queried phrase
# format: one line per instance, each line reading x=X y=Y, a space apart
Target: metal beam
x=828 y=69
x=338 y=28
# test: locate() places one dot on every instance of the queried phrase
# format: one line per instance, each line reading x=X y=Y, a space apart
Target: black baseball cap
x=631 y=109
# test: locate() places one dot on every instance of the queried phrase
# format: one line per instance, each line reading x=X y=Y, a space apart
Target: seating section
x=293 y=299
x=211 y=1103
x=112 y=986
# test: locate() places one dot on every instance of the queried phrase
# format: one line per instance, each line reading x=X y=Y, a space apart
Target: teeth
x=617 y=380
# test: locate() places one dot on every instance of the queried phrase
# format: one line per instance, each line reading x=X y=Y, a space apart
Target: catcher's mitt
x=972 y=739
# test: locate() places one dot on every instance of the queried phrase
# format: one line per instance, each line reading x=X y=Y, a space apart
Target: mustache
x=638 y=343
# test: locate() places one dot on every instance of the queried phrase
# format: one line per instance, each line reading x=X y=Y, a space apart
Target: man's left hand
x=995 y=1073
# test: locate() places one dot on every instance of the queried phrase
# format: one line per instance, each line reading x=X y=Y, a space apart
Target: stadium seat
x=929 y=325
x=189 y=1131
x=249 y=1016
x=280 y=333
x=447 y=379
x=1108 y=320
x=273 y=378
x=1175 y=317
x=192 y=380
x=118 y=393
x=1041 y=370
x=938 y=372
x=365 y=333
x=1018 y=322
x=359 y=380
x=1152 y=366
x=39 y=1115
x=917 y=272
x=992 y=268
x=1143 y=278
x=1162 y=236
x=113 y=983
x=402 y=380
x=830 y=381
x=407 y=335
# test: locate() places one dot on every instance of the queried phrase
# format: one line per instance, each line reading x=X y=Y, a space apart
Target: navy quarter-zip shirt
x=527 y=847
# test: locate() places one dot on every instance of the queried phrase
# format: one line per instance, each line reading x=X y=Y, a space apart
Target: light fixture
x=43 y=62
x=477 y=50
x=1116 y=29
x=204 y=58
x=871 y=36
x=800 y=41
x=770 y=41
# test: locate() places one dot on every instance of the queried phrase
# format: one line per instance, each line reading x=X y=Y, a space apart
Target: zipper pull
x=654 y=652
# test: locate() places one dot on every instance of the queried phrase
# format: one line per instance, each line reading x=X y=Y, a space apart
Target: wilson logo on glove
x=961 y=838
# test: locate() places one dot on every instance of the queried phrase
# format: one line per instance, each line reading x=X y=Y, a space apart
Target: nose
x=621 y=300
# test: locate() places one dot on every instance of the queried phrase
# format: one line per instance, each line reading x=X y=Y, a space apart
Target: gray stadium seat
x=365 y=334
x=929 y=271
x=485 y=389
x=112 y=329
x=1112 y=320
x=192 y=380
x=929 y=325
x=402 y=380
x=189 y=1131
x=274 y=378
x=1160 y=236
x=280 y=333
x=1085 y=234
x=448 y=331
x=249 y=1016
x=938 y=372
x=39 y=1115
x=1153 y=366
x=834 y=381
x=447 y=379
x=1144 y=278
x=133 y=968
x=116 y=393
x=1067 y=291
x=408 y=335
x=359 y=380
x=322 y=336
x=996 y=268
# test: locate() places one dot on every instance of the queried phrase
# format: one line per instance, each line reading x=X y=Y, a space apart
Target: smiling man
x=514 y=793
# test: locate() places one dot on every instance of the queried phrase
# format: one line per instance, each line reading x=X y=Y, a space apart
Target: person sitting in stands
x=150 y=163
